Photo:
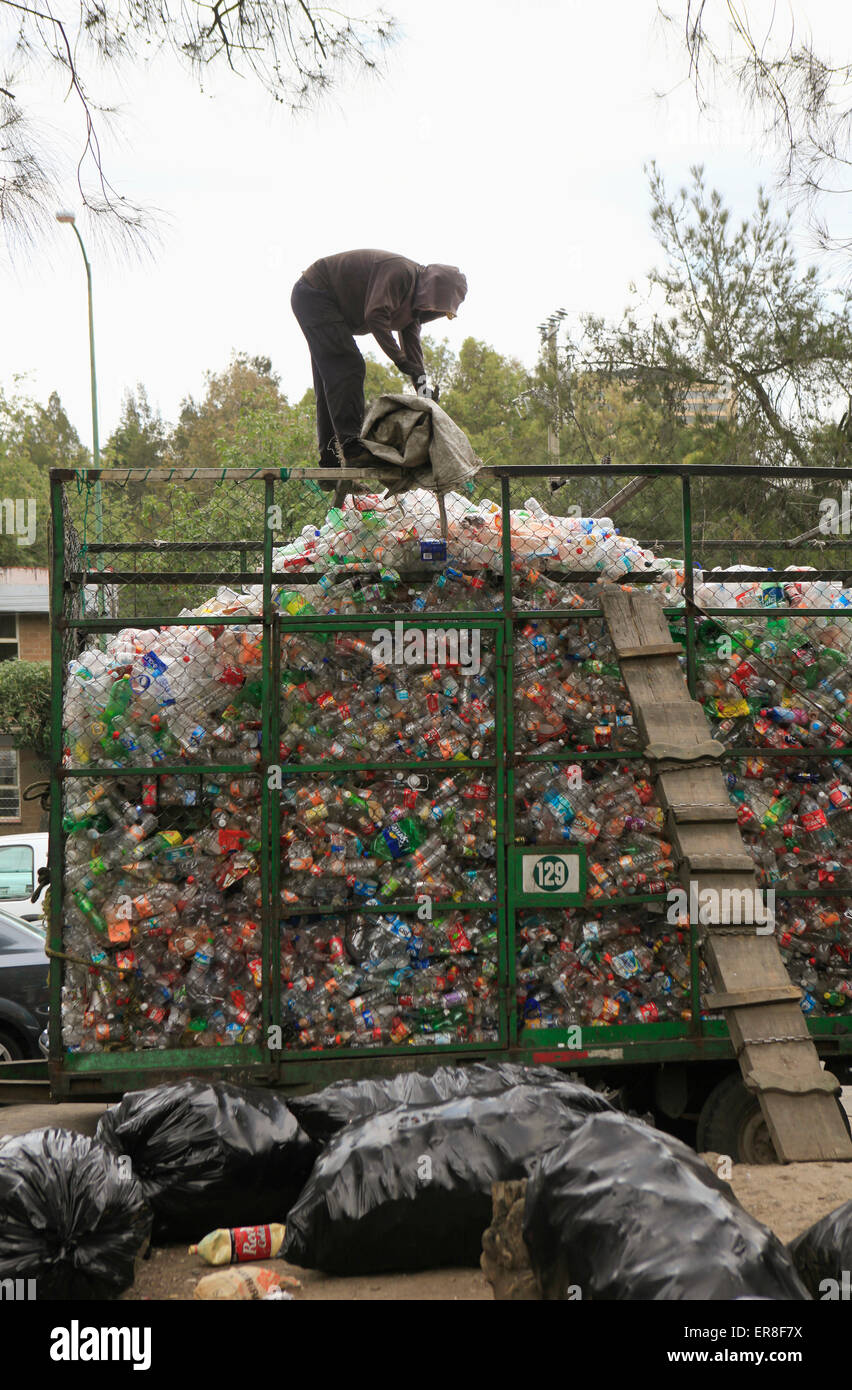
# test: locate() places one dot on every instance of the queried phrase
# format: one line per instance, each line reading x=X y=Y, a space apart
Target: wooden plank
x=741 y=999
x=700 y=842
x=701 y=815
x=643 y=653
x=726 y=860
x=768 y=1029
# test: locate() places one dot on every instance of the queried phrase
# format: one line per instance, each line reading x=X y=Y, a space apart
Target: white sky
x=507 y=137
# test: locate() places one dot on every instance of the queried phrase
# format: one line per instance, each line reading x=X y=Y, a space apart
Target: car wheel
x=731 y=1122
x=10 y=1048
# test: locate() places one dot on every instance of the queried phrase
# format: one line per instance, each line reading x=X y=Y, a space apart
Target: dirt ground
x=786 y=1198
x=790 y=1197
x=171 y=1272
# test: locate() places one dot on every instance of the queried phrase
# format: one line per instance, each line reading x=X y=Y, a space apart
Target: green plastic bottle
x=119 y=698
x=777 y=812
x=294 y=604
x=90 y=912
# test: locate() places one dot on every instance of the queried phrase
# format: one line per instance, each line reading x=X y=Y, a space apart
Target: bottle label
x=814 y=820
x=251 y=1243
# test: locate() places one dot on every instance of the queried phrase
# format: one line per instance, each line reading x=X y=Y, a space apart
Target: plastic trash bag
x=411 y=1188
x=823 y=1252
x=72 y=1216
x=621 y=1211
x=210 y=1154
x=324 y=1113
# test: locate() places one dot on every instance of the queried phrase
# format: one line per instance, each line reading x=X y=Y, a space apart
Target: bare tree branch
x=801 y=97
x=294 y=49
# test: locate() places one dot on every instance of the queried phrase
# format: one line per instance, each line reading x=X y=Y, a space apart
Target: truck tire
x=10 y=1048
x=731 y=1122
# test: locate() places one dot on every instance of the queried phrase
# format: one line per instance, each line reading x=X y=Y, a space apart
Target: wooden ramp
x=778 y=1059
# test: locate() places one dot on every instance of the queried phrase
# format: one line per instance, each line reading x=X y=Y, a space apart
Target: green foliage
x=737 y=317
x=382 y=379
x=242 y=421
x=248 y=384
x=25 y=704
x=33 y=439
x=736 y=320
x=141 y=438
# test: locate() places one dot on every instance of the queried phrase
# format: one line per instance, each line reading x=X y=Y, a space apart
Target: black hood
x=440 y=290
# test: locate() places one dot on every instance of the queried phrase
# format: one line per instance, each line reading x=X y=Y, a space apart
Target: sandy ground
x=790 y=1197
x=170 y=1272
x=786 y=1198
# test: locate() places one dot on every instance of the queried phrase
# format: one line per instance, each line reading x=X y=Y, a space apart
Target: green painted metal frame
x=111 y=1070
x=695 y=1039
x=691 y=1041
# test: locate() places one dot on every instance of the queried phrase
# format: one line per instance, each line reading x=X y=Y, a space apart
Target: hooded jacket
x=381 y=293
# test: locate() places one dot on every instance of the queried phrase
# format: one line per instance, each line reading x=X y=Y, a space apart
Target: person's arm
x=413 y=350
x=391 y=286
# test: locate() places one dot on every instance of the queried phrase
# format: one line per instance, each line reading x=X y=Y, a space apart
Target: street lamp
x=548 y=331
x=69 y=218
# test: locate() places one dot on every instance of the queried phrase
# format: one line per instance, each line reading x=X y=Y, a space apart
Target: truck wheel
x=731 y=1122
x=10 y=1048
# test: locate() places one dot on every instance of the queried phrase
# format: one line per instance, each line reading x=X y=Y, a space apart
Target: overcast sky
x=506 y=136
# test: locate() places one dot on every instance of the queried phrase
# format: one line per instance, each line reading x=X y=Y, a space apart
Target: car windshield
x=10 y=925
x=16 y=872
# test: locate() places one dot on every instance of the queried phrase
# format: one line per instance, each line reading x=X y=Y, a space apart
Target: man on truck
x=341 y=297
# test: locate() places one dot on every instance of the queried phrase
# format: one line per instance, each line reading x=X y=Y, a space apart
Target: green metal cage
x=110 y=584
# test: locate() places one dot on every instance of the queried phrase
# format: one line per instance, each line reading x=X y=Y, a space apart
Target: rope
x=80 y=960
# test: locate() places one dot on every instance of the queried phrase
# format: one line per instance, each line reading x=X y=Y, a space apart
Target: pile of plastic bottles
x=405 y=533
x=178 y=694
x=612 y=811
x=164 y=925
x=568 y=689
x=815 y=939
x=381 y=978
x=625 y=965
x=345 y=699
x=162 y=890
x=613 y=966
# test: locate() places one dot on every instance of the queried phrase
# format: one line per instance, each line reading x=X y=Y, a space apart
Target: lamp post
x=69 y=218
x=548 y=331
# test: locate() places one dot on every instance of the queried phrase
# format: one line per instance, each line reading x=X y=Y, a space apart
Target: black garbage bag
x=618 y=1210
x=209 y=1154
x=823 y=1252
x=324 y=1113
x=410 y=1188
x=72 y=1216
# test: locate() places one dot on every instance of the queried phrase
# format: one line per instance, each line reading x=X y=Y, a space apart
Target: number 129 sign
x=548 y=876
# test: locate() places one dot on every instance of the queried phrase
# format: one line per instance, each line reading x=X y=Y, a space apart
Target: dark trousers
x=338 y=368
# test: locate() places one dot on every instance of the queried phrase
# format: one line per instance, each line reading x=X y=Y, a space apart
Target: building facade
x=24 y=636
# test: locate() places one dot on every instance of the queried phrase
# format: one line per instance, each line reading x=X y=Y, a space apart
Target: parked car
x=21 y=857
x=23 y=988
